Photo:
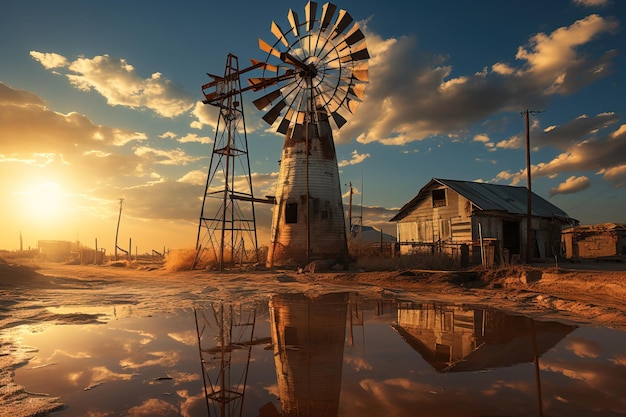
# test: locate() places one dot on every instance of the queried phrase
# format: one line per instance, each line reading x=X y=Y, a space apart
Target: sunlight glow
x=45 y=202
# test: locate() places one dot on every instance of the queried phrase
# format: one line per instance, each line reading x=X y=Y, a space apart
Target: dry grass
x=183 y=260
x=369 y=258
x=29 y=258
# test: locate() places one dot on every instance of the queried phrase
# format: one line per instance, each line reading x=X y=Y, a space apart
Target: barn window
x=439 y=198
x=324 y=214
x=291 y=213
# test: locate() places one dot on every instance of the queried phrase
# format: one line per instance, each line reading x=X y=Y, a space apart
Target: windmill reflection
x=308 y=334
x=225 y=339
x=457 y=339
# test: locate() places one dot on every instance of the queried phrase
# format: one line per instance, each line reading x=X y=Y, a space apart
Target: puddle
x=333 y=355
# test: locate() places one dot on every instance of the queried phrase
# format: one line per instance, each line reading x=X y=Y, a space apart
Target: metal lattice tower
x=225 y=339
x=227 y=224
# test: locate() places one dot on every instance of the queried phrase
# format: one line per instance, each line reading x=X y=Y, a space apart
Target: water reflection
x=460 y=339
x=329 y=355
x=308 y=338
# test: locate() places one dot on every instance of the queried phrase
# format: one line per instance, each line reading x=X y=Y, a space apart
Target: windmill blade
x=351 y=105
x=343 y=20
x=339 y=119
x=271 y=116
x=346 y=91
x=355 y=35
x=265 y=65
x=328 y=11
x=345 y=49
x=279 y=34
x=266 y=100
x=283 y=127
x=357 y=90
x=294 y=22
x=310 y=10
x=356 y=56
x=266 y=47
x=350 y=42
x=298 y=130
x=361 y=74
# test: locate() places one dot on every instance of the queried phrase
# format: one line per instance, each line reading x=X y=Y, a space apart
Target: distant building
x=55 y=250
x=448 y=214
x=595 y=241
x=369 y=234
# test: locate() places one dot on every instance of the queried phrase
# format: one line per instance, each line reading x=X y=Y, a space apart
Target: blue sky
x=102 y=100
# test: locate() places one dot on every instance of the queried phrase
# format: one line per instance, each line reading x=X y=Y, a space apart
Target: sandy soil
x=582 y=294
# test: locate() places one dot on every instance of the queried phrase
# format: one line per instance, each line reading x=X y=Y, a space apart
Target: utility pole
x=529 y=194
x=117 y=231
x=350 y=212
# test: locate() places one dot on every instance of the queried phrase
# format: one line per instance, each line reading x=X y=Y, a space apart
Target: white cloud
x=483 y=138
x=357 y=158
x=420 y=99
x=192 y=137
x=615 y=175
x=554 y=60
x=572 y=185
x=49 y=60
x=117 y=81
x=165 y=156
x=205 y=116
x=514 y=142
x=591 y=3
x=168 y=135
x=195 y=177
x=503 y=69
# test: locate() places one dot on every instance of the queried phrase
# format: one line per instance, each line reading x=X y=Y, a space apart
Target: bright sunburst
x=44 y=201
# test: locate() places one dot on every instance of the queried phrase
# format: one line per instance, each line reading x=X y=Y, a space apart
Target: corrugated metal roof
x=489 y=197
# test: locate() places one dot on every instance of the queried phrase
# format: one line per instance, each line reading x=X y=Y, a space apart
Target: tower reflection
x=308 y=334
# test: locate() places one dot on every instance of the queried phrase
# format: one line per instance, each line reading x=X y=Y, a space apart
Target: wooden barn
x=451 y=216
x=597 y=241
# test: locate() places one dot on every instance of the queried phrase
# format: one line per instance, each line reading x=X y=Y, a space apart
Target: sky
x=102 y=101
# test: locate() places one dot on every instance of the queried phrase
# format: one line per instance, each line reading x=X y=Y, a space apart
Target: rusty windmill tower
x=227 y=224
x=314 y=76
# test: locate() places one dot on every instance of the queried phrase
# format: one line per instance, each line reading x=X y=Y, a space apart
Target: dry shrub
x=370 y=258
x=29 y=258
x=183 y=260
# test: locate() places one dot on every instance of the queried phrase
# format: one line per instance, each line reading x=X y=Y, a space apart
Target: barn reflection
x=457 y=338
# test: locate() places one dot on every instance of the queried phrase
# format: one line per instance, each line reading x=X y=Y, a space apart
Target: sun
x=44 y=201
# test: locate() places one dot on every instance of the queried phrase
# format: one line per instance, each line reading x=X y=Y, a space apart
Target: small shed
x=598 y=241
x=448 y=215
x=55 y=250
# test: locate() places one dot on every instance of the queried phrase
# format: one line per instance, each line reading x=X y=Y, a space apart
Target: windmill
x=314 y=76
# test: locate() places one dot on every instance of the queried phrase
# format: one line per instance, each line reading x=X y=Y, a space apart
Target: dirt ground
x=583 y=294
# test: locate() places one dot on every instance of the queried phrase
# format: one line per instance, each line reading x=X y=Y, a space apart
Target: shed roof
x=489 y=197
